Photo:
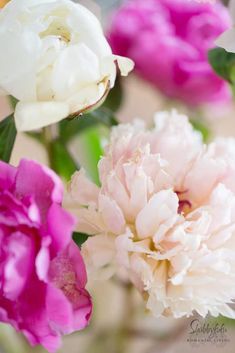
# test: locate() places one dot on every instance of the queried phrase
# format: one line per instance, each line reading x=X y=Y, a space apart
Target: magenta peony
x=164 y=216
x=42 y=274
x=169 y=41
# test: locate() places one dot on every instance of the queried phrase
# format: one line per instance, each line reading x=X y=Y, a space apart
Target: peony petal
x=125 y=65
x=18 y=77
x=59 y=309
x=51 y=342
x=60 y=225
x=33 y=179
x=42 y=261
x=137 y=183
x=111 y=214
x=7 y=176
x=160 y=207
x=83 y=311
x=82 y=190
x=19 y=264
x=35 y=115
x=90 y=31
x=76 y=67
x=99 y=251
x=74 y=255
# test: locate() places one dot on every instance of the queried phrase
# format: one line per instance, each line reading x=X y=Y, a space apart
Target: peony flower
x=164 y=215
x=55 y=60
x=42 y=273
x=227 y=39
x=169 y=41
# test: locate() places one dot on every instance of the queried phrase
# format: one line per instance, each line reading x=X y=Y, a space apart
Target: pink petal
x=60 y=225
x=83 y=190
x=33 y=179
x=111 y=214
x=7 y=176
x=18 y=264
x=59 y=309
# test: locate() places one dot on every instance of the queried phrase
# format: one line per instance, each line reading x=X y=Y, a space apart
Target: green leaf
x=202 y=128
x=13 y=101
x=61 y=160
x=223 y=320
x=115 y=97
x=80 y=238
x=223 y=63
x=91 y=145
x=104 y=116
x=7 y=137
x=69 y=128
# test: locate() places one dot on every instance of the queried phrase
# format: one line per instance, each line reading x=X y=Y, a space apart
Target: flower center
x=184 y=204
x=62 y=275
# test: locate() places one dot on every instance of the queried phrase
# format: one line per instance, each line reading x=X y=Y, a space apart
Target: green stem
x=48 y=142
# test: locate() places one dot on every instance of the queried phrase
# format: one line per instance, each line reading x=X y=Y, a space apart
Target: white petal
x=125 y=65
x=227 y=40
x=226 y=311
x=86 y=97
x=75 y=68
x=83 y=190
x=89 y=221
x=99 y=250
x=32 y=116
x=109 y=69
x=18 y=60
x=111 y=214
x=90 y=31
x=136 y=182
x=159 y=209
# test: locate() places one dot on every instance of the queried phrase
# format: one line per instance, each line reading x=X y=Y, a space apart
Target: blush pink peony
x=169 y=41
x=165 y=215
x=42 y=274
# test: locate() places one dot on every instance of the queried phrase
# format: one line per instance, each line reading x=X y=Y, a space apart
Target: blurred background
x=120 y=323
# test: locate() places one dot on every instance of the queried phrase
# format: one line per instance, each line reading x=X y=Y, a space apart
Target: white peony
x=55 y=60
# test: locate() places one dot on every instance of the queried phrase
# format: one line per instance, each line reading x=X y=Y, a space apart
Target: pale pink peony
x=165 y=214
x=42 y=274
